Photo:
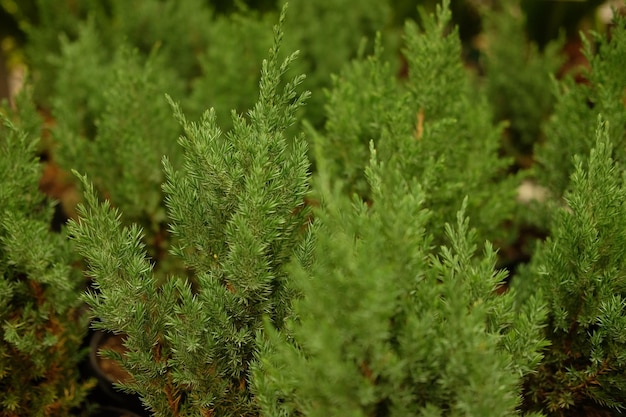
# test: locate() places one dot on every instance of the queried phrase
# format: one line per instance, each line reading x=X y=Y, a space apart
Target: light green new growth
x=237 y=209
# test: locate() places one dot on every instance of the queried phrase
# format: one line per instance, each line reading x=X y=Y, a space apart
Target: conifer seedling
x=237 y=209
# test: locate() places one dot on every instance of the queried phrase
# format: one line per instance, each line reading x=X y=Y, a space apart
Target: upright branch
x=236 y=210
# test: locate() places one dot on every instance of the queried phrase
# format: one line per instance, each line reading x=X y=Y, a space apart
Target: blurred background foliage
x=30 y=31
x=24 y=22
x=545 y=18
x=207 y=53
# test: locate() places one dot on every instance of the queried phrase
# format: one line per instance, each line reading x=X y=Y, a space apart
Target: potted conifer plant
x=390 y=302
x=42 y=320
x=579 y=268
x=237 y=209
x=400 y=312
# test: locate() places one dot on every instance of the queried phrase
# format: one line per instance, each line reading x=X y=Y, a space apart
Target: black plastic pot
x=108 y=373
x=108 y=411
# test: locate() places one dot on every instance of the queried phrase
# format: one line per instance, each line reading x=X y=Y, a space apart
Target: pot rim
x=98 y=338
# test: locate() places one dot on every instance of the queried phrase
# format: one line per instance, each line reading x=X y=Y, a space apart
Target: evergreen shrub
x=236 y=206
x=389 y=324
x=436 y=122
x=385 y=298
x=580 y=272
x=42 y=322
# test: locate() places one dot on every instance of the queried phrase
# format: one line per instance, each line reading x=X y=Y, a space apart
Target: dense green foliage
x=121 y=132
x=214 y=57
x=41 y=322
x=570 y=130
x=452 y=144
x=580 y=271
x=390 y=325
x=237 y=208
x=102 y=69
x=389 y=322
x=241 y=288
x=518 y=77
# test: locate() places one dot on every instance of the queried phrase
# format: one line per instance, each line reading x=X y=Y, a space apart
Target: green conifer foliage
x=358 y=107
x=518 y=77
x=329 y=33
x=214 y=55
x=177 y=28
x=459 y=140
x=580 y=271
x=390 y=326
x=41 y=325
x=230 y=64
x=237 y=208
x=570 y=130
x=113 y=123
x=436 y=123
x=76 y=98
